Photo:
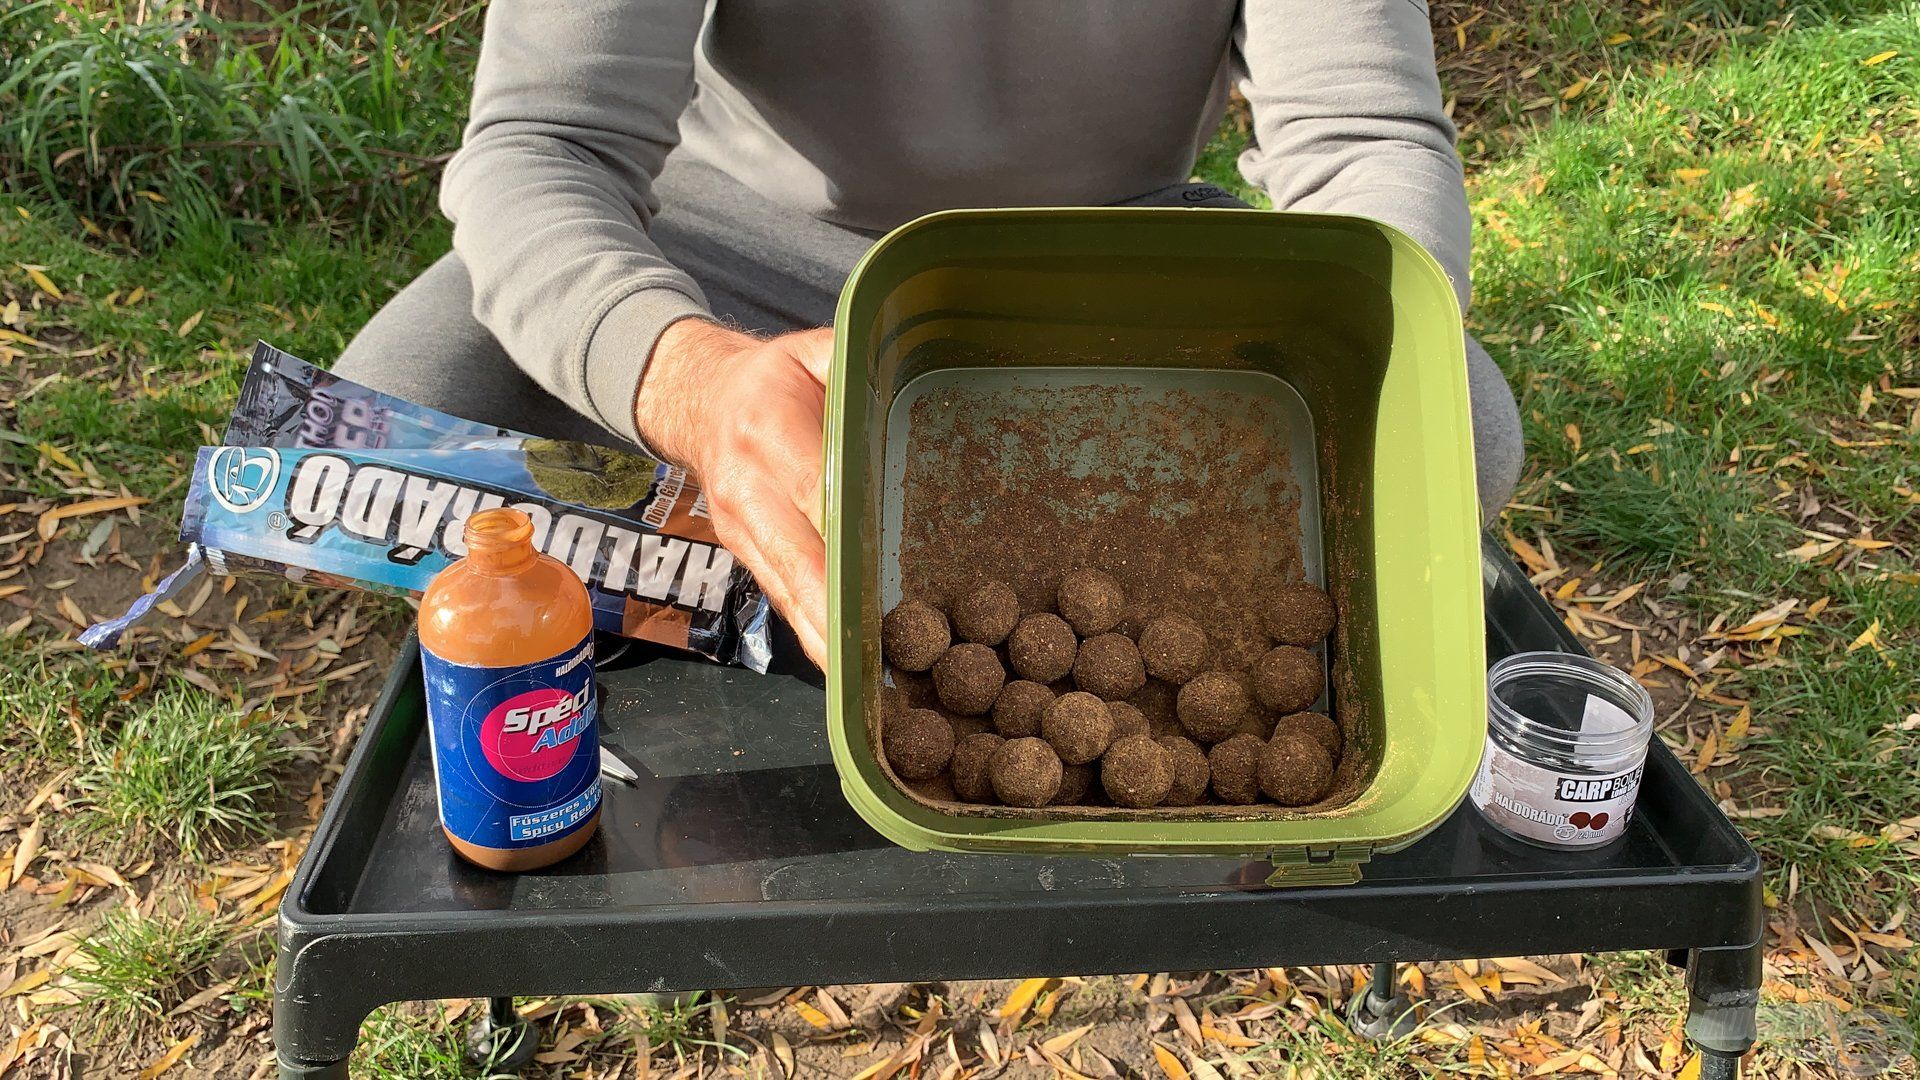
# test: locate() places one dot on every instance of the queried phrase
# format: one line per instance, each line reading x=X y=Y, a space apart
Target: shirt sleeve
x=576 y=104
x=1348 y=118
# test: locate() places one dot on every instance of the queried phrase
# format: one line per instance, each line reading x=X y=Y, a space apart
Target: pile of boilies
x=1147 y=721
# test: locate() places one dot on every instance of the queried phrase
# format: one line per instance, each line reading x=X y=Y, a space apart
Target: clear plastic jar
x=1566 y=746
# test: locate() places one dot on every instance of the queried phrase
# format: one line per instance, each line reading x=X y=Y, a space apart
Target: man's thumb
x=814 y=350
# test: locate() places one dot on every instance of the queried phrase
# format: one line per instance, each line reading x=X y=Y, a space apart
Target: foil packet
x=327 y=482
x=286 y=402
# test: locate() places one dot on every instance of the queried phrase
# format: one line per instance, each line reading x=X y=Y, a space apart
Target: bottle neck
x=499 y=541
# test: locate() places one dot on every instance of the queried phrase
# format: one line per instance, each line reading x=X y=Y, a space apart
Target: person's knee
x=417 y=339
x=1498 y=448
x=426 y=347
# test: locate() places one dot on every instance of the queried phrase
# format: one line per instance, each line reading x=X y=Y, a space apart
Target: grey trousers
x=765 y=269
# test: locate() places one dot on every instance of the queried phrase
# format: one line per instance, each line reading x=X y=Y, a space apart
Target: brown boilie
x=1298 y=614
x=1173 y=648
x=1136 y=772
x=1042 y=648
x=1235 y=768
x=1190 y=772
x=1092 y=602
x=1288 y=679
x=1316 y=726
x=1295 y=771
x=1075 y=782
x=1212 y=706
x=1127 y=720
x=1156 y=701
x=1109 y=666
x=1025 y=772
x=987 y=613
x=913 y=635
x=972 y=757
x=1018 y=709
x=968 y=678
x=918 y=743
x=1078 y=727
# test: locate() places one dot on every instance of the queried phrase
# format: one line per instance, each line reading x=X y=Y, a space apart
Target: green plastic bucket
x=1348 y=320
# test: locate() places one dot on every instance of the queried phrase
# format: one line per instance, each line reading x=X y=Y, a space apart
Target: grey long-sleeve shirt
x=868 y=113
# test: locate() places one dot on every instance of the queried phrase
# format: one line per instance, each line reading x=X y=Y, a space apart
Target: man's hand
x=746 y=416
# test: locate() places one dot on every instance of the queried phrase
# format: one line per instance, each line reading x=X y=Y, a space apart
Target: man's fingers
x=816 y=504
x=814 y=349
x=787 y=557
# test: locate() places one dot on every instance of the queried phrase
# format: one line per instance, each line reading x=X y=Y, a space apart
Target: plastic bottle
x=506 y=641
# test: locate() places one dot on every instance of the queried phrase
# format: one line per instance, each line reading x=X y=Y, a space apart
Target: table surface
x=736 y=862
x=738 y=802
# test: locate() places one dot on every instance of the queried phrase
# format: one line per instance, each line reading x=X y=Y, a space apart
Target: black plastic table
x=736 y=862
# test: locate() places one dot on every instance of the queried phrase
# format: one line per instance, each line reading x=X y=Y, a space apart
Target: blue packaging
x=516 y=750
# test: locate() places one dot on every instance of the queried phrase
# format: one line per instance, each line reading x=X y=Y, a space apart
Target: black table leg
x=306 y=1070
x=1723 y=992
x=502 y=1041
x=1381 y=1011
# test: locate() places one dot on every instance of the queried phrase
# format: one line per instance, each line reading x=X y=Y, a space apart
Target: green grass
x=400 y=1042
x=1710 y=333
x=183 y=769
x=48 y=709
x=304 y=286
x=197 y=131
x=133 y=969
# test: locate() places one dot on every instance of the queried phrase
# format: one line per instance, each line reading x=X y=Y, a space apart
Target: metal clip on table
x=735 y=844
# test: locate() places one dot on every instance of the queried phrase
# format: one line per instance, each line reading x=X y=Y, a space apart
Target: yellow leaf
x=1880 y=58
x=50 y=521
x=1467 y=986
x=192 y=321
x=1708 y=747
x=1059 y=1043
x=1573 y=436
x=1737 y=727
x=171 y=1058
x=41 y=280
x=1170 y=1064
x=1688 y=176
x=1579 y=87
x=138 y=294
x=1619 y=39
x=812 y=1015
x=1717 y=309
x=1022 y=996
x=1870 y=636
x=26 y=982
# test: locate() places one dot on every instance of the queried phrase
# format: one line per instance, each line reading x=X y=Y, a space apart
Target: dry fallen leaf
x=29 y=847
x=1170 y=1064
x=1022 y=997
x=812 y=1015
x=1869 y=636
x=171 y=1058
x=50 y=521
x=1059 y=1043
x=40 y=279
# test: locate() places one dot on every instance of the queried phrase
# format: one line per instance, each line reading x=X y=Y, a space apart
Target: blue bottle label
x=516 y=750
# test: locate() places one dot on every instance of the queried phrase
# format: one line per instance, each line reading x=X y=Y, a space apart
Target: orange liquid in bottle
x=506 y=637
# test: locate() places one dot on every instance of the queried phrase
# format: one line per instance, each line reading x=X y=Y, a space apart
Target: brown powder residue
x=1187 y=497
